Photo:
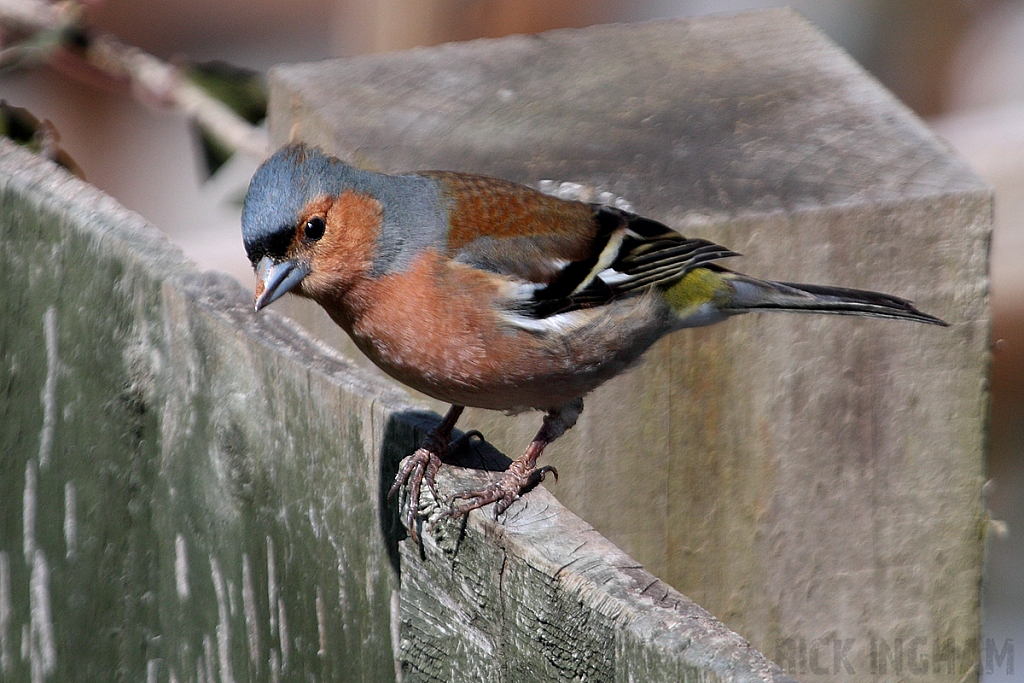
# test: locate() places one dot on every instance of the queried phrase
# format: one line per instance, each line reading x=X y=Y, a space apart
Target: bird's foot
x=421 y=468
x=520 y=477
x=414 y=470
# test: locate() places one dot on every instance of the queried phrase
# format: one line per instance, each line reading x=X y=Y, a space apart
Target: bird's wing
x=652 y=254
x=564 y=255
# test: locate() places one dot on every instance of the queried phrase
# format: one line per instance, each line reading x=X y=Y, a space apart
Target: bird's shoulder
x=483 y=210
x=563 y=255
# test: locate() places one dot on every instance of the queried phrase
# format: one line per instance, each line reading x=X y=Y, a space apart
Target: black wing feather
x=650 y=255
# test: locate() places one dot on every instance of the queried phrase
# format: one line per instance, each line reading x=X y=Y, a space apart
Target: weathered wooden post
x=190 y=493
x=814 y=482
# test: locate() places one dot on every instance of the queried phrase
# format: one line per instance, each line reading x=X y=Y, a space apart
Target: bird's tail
x=753 y=294
x=736 y=293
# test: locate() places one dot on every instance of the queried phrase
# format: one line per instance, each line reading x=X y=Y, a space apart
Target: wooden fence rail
x=194 y=493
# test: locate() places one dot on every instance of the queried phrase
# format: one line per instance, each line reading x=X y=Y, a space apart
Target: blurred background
x=958 y=63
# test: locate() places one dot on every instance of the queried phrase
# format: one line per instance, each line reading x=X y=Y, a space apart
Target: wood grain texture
x=810 y=480
x=227 y=521
x=541 y=595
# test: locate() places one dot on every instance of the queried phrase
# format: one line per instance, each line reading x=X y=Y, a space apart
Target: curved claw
x=540 y=472
x=403 y=474
x=414 y=500
x=505 y=491
x=423 y=466
x=464 y=440
x=478 y=499
x=419 y=467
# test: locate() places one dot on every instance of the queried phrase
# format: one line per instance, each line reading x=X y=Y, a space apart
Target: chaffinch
x=483 y=292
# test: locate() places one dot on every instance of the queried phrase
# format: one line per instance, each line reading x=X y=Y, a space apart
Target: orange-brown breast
x=433 y=328
x=436 y=329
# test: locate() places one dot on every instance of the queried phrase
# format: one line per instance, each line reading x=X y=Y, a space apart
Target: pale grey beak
x=274 y=280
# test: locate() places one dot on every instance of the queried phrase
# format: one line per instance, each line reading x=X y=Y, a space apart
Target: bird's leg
x=523 y=474
x=423 y=465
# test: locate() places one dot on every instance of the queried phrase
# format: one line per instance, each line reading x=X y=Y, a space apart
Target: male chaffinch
x=483 y=292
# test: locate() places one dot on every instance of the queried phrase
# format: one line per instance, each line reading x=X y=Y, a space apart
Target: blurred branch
x=41 y=27
x=155 y=80
x=32 y=16
x=54 y=33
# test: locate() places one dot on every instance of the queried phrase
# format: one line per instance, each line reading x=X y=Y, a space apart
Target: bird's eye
x=315 y=227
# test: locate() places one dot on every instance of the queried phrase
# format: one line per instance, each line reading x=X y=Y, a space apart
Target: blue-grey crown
x=280 y=189
x=412 y=213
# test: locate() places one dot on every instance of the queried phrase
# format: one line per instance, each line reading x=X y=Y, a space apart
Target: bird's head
x=297 y=223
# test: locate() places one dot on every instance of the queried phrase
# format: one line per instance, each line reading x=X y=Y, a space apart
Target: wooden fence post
x=815 y=482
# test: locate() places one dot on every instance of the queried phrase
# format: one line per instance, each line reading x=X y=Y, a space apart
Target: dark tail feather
x=753 y=294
